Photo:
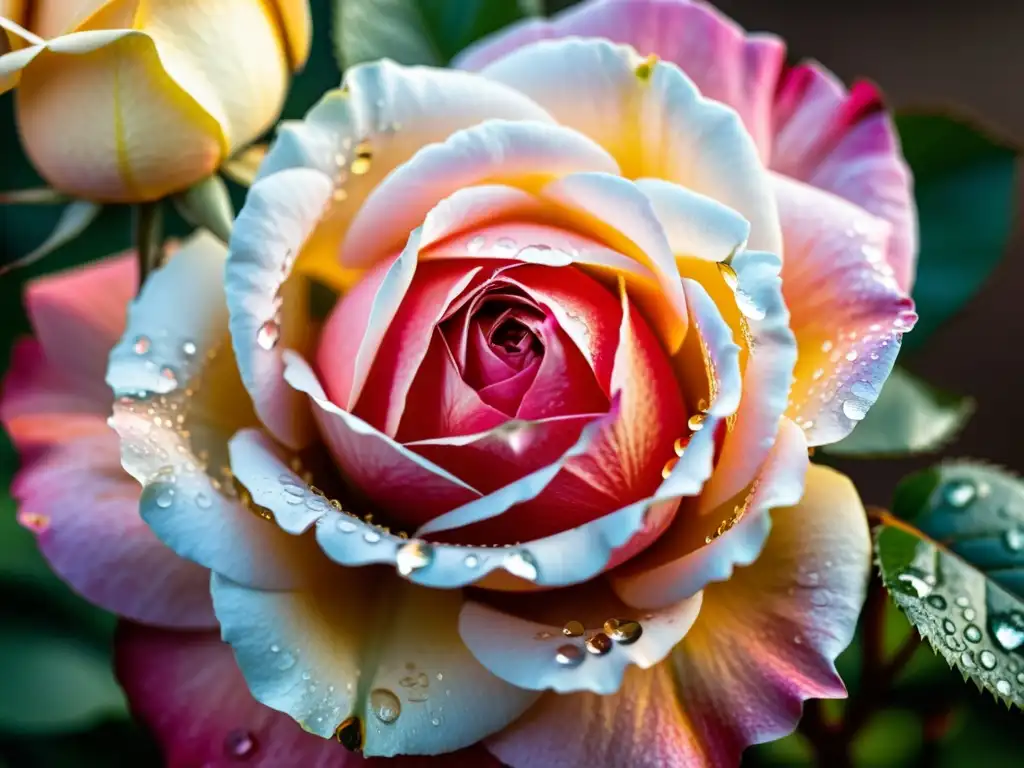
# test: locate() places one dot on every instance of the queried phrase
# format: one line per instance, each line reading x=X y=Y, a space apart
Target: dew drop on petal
x=141 y=345
x=385 y=705
x=1013 y=539
x=371 y=537
x=474 y=245
x=1003 y=687
x=573 y=629
x=471 y=561
x=165 y=498
x=623 y=631
x=569 y=656
x=413 y=556
x=599 y=644
x=268 y=334
x=521 y=563
x=189 y=348
x=972 y=633
x=959 y=493
x=987 y=659
x=239 y=744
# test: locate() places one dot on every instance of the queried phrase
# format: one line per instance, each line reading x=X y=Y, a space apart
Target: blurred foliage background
x=59 y=703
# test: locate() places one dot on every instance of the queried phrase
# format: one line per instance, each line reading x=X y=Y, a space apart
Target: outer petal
x=848 y=312
x=845 y=143
x=84 y=511
x=521 y=639
x=178 y=402
x=383 y=115
x=651 y=118
x=764 y=642
x=187 y=688
x=268 y=311
x=697 y=551
x=726 y=64
x=298 y=29
x=162 y=143
x=368 y=646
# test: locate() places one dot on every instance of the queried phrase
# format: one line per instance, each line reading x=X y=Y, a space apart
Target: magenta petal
x=85 y=510
x=483 y=363
x=187 y=688
x=507 y=395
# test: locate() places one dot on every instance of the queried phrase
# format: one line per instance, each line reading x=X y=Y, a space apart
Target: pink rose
x=517 y=486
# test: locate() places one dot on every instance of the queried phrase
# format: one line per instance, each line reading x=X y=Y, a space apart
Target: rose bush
x=540 y=475
x=159 y=93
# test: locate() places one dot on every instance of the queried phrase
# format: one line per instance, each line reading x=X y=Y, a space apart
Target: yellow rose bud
x=124 y=101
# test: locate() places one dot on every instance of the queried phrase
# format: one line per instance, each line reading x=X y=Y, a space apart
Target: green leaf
x=207 y=204
x=964 y=187
x=75 y=219
x=53 y=681
x=952 y=558
x=419 y=31
x=909 y=417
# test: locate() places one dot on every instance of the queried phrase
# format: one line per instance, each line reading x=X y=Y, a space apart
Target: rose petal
x=764 y=642
x=727 y=65
x=849 y=313
x=187 y=688
x=520 y=640
x=699 y=550
x=370 y=646
x=398 y=480
x=95 y=540
x=845 y=143
x=492 y=151
x=404 y=344
x=382 y=116
x=651 y=117
x=568 y=557
x=268 y=311
x=179 y=399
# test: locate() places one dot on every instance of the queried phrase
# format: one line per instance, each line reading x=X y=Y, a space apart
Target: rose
x=433 y=668
x=159 y=94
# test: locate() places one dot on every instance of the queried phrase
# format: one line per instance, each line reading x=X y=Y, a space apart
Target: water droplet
x=826 y=346
x=286 y=661
x=505 y=245
x=345 y=526
x=471 y=561
x=474 y=245
x=729 y=275
x=239 y=743
x=440 y=676
x=599 y=644
x=350 y=734
x=820 y=598
x=435 y=721
x=141 y=345
x=275 y=648
x=573 y=629
x=569 y=656
x=972 y=633
x=1014 y=539
x=916 y=583
x=521 y=563
x=949 y=627
x=1008 y=630
x=855 y=409
x=203 y=501
x=165 y=498
x=268 y=335
x=1003 y=687
x=749 y=306
x=962 y=601
x=967 y=660
x=987 y=659
x=798 y=639
x=696 y=422
x=938 y=602
x=361 y=162
x=623 y=631
x=169 y=375
x=189 y=348
x=959 y=493
x=371 y=537
x=968 y=614
x=808 y=578
x=385 y=705
x=666 y=470
x=413 y=555
x=680 y=446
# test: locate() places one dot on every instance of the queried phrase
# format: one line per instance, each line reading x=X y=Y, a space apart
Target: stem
x=148 y=225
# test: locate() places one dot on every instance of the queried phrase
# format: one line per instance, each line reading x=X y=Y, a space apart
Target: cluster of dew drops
x=951 y=622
